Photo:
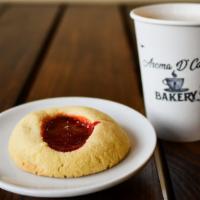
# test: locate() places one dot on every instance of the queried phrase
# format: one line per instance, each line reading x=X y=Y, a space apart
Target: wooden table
x=88 y=50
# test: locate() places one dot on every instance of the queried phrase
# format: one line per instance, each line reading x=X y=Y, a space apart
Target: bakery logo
x=174 y=84
x=174 y=90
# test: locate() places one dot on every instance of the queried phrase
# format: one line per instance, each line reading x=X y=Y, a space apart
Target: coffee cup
x=168 y=46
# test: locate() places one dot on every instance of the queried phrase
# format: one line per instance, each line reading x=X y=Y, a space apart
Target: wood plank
x=22 y=32
x=90 y=56
x=183 y=160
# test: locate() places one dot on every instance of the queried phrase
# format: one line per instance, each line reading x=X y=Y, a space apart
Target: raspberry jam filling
x=66 y=133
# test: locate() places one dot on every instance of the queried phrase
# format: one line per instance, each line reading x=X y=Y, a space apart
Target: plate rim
x=65 y=192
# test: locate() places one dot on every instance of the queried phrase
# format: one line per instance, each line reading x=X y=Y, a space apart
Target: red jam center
x=66 y=133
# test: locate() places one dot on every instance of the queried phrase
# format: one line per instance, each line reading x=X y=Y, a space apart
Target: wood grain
x=183 y=160
x=90 y=56
x=22 y=32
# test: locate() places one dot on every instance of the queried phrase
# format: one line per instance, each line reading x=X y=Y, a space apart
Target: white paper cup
x=168 y=40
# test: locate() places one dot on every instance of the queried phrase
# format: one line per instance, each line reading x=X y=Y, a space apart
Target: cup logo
x=174 y=84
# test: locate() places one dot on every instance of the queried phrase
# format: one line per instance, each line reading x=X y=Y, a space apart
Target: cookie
x=71 y=141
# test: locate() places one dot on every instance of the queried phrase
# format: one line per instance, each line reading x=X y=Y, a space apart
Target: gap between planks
x=41 y=55
x=163 y=174
x=3 y=8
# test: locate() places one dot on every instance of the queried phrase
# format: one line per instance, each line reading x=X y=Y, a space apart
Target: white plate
x=139 y=129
